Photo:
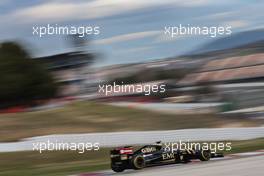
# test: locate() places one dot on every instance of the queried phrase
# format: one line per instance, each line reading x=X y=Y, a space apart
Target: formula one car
x=153 y=155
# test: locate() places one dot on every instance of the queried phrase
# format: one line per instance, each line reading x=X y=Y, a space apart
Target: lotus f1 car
x=123 y=158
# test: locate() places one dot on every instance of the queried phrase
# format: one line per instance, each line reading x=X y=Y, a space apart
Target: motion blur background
x=50 y=85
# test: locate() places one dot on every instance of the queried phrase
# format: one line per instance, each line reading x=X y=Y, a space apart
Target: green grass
x=86 y=117
x=247 y=146
x=63 y=163
x=52 y=163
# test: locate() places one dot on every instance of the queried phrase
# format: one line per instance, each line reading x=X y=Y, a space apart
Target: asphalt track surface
x=236 y=165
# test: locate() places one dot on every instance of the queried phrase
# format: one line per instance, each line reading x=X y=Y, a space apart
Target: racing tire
x=205 y=155
x=186 y=159
x=117 y=168
x=138 y=162
x=179 y=158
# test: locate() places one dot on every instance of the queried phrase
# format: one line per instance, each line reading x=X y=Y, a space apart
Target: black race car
x=152 y=155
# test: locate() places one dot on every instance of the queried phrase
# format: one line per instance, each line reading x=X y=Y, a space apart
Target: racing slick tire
x=138 y=162
x=117 y=168
x=205 y=155
x=179 y=158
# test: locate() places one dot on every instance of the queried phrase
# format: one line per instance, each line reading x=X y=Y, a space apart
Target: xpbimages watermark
x=187 y=145
x=55 y=29
x=211 y=31
x=146 y=89
x=80 y=147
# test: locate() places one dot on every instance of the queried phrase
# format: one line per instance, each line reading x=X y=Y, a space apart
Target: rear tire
x=205 y=155
x=116 y=168
x=179 y=158
x=138 y=162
